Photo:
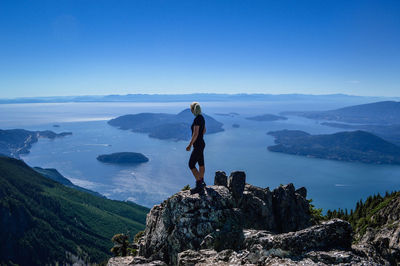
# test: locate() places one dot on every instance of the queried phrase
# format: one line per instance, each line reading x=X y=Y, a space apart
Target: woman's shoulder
x=199 y=118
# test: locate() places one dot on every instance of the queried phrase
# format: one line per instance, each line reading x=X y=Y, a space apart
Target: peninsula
x=390 y=133
x=354 y=146
x=14 y=142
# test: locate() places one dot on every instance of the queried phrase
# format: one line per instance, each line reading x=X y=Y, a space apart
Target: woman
x=198 y=130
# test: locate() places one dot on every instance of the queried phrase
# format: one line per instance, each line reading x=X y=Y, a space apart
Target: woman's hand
x=189 y=147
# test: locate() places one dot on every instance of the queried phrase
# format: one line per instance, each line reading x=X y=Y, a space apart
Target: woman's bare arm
x=194 y=137
x=204 y=131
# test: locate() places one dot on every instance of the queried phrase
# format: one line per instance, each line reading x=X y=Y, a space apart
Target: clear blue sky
x=88 y=47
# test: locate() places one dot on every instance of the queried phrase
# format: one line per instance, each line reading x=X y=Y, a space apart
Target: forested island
x=266 y=118
x=123 y=158
x=231 y=114
x=390 y=133
x=355 y=146
x=164 y=126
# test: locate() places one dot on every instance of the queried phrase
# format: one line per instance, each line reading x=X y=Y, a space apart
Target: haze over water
x=331 y=184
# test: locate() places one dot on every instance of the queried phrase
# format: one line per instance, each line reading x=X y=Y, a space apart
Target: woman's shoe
x=200 y=185
x=194 y=190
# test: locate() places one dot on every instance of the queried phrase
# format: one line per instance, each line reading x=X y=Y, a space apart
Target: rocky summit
x=235 y=223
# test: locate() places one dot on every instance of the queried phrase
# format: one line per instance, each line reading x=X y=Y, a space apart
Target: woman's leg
x=192 y=164
x=201 y=172
x=201 y=164
x=196 y=174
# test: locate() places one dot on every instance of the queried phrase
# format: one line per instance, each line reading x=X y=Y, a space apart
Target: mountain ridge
x=53 y=174
x=43 y=221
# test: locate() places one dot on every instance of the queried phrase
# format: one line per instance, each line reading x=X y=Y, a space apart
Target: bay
x=331 y=184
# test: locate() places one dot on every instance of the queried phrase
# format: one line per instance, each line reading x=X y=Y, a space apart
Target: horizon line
x=188 y=94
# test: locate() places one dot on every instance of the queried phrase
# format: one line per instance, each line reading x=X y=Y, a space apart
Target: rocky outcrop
x=236 y=223
x=130 y=260
x=216 y=220
x=329 y=235
x=328 y=243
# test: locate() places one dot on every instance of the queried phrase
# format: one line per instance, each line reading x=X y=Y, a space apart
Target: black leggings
x=197 y=156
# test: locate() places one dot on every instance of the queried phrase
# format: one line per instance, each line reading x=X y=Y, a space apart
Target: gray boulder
x=130 y=260
x=184 y=220
x=220 y=179
x=329 y=235
x=236 y=183
x=290 y=208
x=257 y=208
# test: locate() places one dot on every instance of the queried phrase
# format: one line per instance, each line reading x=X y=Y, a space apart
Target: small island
x=266 y=118
x=123 y=158
x=354 y=146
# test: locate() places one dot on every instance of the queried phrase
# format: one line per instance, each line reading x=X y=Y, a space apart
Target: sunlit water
x=330 y=184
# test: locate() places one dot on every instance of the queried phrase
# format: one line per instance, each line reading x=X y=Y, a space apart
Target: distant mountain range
x=43 y=222
x=378 y=113
x=164 y=126
x=191 y=97
x=14 y=142
x=355 y=146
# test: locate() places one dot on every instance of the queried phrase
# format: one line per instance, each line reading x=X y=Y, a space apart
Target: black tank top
x=199 y=121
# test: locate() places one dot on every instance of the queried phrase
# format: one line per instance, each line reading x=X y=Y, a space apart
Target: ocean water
x=331 y=184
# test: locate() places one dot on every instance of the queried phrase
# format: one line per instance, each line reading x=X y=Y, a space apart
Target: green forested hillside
x=42 y=221
x=365 y=213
